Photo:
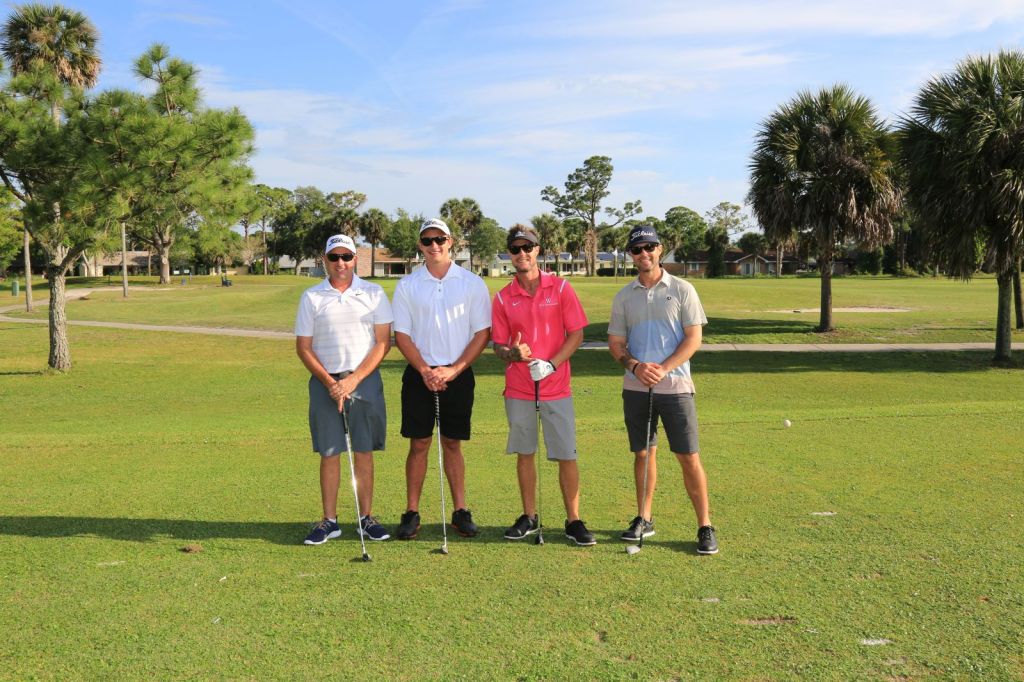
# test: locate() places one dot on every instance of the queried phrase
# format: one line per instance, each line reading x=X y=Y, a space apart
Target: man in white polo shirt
x=442 y=324
x=655 y=328
x=342 y=332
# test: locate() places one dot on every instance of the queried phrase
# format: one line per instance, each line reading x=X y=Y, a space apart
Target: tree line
x=86 y=172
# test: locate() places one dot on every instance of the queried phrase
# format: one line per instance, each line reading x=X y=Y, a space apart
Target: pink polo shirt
x=544 y=319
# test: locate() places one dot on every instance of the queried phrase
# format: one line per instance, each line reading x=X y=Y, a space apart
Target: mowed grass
x=757 y=310
x=890 y=511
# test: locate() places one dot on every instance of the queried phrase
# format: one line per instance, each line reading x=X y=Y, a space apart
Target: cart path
x=587 y=345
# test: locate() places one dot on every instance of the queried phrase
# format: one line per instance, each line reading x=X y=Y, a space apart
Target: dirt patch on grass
x=772 y=620
x=853 y=309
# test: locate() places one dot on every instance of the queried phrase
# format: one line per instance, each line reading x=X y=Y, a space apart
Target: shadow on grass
x=188 y=530
x=597 y=363
x=730 y=327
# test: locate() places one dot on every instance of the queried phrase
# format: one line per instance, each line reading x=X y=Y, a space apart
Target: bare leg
x=415 y=471
x=639 y=460
x=364 y=482
x=569 y=480
x=526 y=471
x=455 y=470
x=330 y=475
x=696 y=486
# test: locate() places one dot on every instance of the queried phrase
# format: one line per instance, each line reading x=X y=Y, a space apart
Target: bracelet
x=633 y=371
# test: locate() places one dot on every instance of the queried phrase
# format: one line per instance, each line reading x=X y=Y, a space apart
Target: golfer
x=442 y=324
x=342 y=332
x=538 y=324
x=654 y=330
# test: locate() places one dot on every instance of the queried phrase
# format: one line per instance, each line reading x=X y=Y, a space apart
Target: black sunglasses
x=333 y=257
x=516 y=248
x=635 y=250
x=427 y=241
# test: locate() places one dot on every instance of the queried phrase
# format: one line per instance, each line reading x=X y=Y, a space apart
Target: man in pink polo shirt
x=536 y=325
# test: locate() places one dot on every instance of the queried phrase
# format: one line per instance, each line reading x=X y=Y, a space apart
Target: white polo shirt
x=441 y=315
x=342 y=323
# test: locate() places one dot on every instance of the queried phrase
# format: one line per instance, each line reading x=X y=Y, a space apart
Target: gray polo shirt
x=652 y=320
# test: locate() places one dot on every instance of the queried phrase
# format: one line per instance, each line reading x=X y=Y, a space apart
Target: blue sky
x=415 y=102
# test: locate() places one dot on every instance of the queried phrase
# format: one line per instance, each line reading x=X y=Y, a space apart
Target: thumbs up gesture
x=519 y=351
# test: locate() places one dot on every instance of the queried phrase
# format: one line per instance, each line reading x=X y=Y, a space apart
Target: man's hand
x=649 y=373
x=519 y=351
x=342 y=389
x=540 y=369
x=435 y=380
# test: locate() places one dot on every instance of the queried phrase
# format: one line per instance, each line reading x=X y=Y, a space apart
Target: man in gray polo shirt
x=654 y=330
x=342 y=332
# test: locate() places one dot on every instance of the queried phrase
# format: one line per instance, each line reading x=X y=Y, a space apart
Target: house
x=138 y=263
x=737 y=263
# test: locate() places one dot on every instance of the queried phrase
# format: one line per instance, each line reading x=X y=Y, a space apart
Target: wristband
x=633 y=371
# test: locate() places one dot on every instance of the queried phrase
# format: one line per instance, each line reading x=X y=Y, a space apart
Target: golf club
x=355 y=490
x=540 y=464
x=633 y=549
x=440 y=470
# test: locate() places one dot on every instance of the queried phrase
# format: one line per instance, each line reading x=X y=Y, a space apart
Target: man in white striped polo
x=342 y=332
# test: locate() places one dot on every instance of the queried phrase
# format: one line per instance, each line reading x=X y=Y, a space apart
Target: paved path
x=588 y=345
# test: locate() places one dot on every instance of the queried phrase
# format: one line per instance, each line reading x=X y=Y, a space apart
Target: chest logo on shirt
x=548 y=302
x=515 y=303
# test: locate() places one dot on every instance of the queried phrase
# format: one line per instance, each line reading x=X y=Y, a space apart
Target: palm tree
x=552 y=235
x=373 y=226
x=60 y=42
x=463 y=216
x=821 y=165
x=961 y=150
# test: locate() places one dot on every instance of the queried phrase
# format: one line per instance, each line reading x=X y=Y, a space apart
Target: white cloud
x=869 y=17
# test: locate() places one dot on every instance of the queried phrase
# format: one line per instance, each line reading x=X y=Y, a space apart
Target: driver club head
x=366 y=557
x=632 y=549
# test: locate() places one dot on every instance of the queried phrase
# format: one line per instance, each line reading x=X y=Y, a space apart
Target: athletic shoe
x=408 y=526
x=462 y=519
x=632 y=534
x=578 y=533
x=370 y=527
x=322 y=532
x=706 y=542
x=524 y=525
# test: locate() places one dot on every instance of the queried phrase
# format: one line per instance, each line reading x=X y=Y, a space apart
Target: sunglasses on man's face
x=333 y=257
x=649 y=248
x=427 y=241
x=516 y=248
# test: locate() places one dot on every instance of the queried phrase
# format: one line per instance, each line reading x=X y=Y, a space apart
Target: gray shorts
x=676 y=410
x=558 y=420
x=367 y=417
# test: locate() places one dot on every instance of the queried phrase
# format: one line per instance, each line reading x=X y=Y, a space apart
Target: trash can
x=14 y=288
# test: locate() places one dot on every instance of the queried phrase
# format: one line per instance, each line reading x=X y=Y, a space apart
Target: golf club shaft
x=355 y=485
x=440 y=469
x=647 y=460
x=539 y=462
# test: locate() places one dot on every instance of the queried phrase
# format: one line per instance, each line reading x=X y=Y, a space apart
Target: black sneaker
x=370 y=527
x=462 y=519
x=706 y=542
x=578 y=533
x=322 y=532
x=524 y=525
x=408 y=526
x=632 y=534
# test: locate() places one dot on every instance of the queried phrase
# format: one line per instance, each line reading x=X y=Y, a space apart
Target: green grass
x=739 y=310
x=156 y=441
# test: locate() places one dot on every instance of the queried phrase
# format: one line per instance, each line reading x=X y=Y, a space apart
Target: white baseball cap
x=342 y=240
x=435 y=224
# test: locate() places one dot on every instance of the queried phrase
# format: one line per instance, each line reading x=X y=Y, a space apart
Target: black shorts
x=456 y=403
x=676 y=411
